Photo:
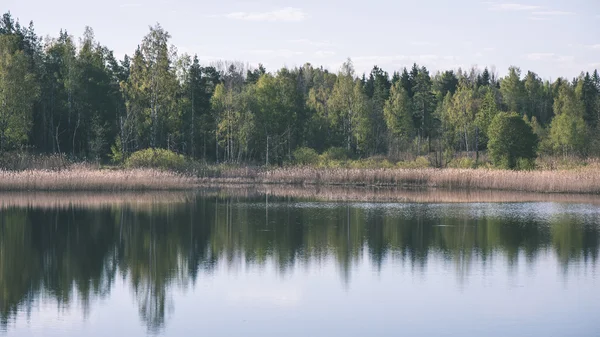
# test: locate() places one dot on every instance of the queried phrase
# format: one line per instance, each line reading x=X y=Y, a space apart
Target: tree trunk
x=466 y=141
x=476 y=145
x=192 y=139
x=75 y=133
x=267 y=161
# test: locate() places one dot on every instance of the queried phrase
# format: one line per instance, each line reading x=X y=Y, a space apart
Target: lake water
x=219 y=265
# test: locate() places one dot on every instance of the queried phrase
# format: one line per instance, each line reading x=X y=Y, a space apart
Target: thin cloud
x=288 y=14
x=537 y=18
x=488 y=49
x=511 y=7
x=130 y=5
x=311 y=42
x=395 y=59
x=539 y=56
x=559 y=60
x=593 y=46
x=324 y=53
x=284 y=53
x=423 y=43
x=565 y=58
x=552 y=13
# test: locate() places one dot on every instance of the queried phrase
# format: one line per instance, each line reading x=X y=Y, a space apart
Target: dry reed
x=95 y=200
x=84 y=179
x=582 y=180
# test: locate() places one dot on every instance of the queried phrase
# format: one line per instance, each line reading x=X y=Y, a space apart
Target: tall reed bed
x=145 y=200
x=85 y=179
x=582 y=180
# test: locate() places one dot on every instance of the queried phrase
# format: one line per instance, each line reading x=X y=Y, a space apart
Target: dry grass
x=581 y=180
x=61 y=200
x=85 y=179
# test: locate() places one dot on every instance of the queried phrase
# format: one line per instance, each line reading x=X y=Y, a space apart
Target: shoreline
x=276 y=194
x=578 y=181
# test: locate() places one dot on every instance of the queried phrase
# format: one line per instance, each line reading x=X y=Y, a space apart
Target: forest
x=72 y=97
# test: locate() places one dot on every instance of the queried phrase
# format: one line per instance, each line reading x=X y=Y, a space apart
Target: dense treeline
x=75 y=98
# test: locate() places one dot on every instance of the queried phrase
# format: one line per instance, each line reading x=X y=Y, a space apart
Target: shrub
x=462 y=163
x=335 y=153
x=156 y=158
x=116 y=152
x=370 y=163
x=511 y=138
x=419 y=163
x=305 y=156
x=525 y=164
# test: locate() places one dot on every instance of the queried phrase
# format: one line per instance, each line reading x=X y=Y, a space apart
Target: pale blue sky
x=553 y=38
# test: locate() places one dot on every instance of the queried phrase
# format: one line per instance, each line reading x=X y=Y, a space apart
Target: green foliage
x=461 y=115
x=349 y=109
x=305 y=156
x=545 y=144
x=511 y=138
x=335 y=153
x=398 y=113
x=513 y=90
x=156 y=158
x=116 y=152
x=419 y=163
x=371 y=162
x=485 y=115
x=566 y=102
x=69 y=95
x=18 y=91
x=525 y=164
x=463 y=163
x=568 y=134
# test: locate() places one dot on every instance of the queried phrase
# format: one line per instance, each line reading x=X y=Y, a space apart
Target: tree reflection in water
x=78 y=252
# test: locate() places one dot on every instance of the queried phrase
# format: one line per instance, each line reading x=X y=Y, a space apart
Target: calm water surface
x=231 y=266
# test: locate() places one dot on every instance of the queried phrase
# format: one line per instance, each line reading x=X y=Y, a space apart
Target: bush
x=156 y=158
x=511 y=138
x=116 y=152
x=525 y=164
x=419 y=163
x=463 y=163
x=335 y=153
x=371 y=163
x=306 y=156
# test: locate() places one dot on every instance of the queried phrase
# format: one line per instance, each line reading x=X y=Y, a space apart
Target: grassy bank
x=581 y=180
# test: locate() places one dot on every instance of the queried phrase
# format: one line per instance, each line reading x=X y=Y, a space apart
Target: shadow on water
x=75 y=247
